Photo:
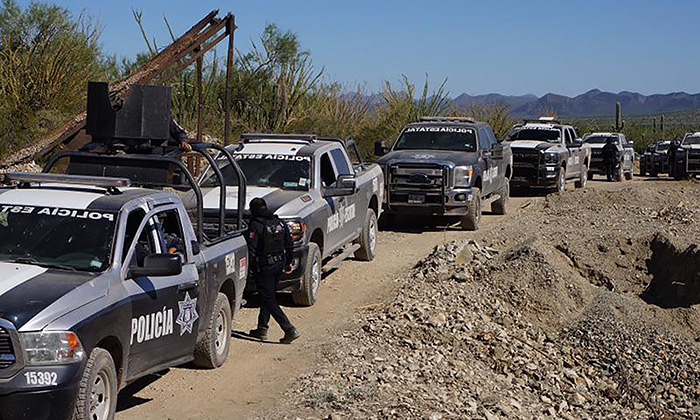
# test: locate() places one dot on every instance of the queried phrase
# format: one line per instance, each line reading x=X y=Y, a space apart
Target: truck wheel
x=619 y=175
x=583 y=178
x=629 y=175
x=368 y=238
x=311 y=280
x=472 y=219
x=500 y=206
x=561 y=180
x=97 y=393
x=212 y=347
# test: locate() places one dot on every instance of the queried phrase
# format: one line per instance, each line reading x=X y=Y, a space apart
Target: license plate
x=416 y=199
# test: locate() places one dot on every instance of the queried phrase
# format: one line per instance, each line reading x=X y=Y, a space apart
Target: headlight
x=297 y=229
x=551 y=158
x=463 y=176
x=49 y=348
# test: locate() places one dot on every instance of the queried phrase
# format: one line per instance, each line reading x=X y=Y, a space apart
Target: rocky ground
x=584 y=307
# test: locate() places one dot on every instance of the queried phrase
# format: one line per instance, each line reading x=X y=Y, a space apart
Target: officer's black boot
x=290 y=335
x=259 y=333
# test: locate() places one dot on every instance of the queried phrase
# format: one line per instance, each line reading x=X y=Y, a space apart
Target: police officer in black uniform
x=611 y=158
x=270 y=248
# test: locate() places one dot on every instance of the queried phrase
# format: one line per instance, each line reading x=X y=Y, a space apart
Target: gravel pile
x=546 y=321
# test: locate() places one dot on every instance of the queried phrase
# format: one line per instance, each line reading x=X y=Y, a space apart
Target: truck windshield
x=55 y=237
x=597 y=139
x=662 y=146
x=692 y=140
x=273 y=171
x=463 y=140
x=537 y=134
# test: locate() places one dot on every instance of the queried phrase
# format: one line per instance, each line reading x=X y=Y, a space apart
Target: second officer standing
x=270 y=246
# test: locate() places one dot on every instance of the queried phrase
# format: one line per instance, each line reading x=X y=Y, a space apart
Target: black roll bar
x=174 y=159
x=242 y=182
x=222 y=185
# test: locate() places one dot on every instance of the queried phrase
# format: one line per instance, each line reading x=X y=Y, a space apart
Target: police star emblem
x=188 y=314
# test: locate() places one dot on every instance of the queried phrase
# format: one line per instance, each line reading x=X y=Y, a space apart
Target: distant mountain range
x=593 y=103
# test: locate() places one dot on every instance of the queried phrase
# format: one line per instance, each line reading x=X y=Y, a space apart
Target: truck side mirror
x=380 y=148
x=195 y=248
x=158 y=265
x=345 y=185
x=497 y=151
x=576 y=143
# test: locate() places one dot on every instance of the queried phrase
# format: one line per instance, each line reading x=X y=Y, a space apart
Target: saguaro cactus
x=662 y=127
x=654 y=123
x=619 y=122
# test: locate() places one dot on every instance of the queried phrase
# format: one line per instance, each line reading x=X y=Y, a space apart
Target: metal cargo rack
x=156 y=171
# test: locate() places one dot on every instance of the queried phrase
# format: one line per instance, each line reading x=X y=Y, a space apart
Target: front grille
x=428 y=180
x=694 y=160
x=7 y=353
x=526 y=158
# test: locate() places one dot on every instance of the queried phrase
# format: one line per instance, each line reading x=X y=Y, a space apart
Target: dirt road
x=256 y=374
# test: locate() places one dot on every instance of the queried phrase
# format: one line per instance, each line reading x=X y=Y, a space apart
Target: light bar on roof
x=447 y=119
x=97 y=181
x=259 y=137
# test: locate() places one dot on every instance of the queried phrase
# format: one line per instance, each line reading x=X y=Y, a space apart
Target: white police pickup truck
x=330 y=202
x=103 y=283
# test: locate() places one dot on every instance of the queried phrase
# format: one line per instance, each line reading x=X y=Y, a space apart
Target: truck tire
x=368 y=238
x=472 y=219
x=629 y=175
x=500 y=206
x=583 y=178
x=619 y=175
x=212 y=347
x=311 y=280
x=97 y=392
x=561 y=180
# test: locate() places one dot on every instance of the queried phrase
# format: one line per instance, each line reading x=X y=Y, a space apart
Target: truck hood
x=531 y=144
x=596 y=146
x=26 y=290
x=691 y=146
x=279 y=201
x=427 y=156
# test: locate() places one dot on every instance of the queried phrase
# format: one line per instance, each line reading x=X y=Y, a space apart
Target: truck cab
x=687 y=157
x=329 y=201
x=446 y=166
x=108 y=278
x=625 y=152
x=547 y=153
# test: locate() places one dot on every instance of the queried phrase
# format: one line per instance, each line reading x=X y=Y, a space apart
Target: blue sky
x=508 y=46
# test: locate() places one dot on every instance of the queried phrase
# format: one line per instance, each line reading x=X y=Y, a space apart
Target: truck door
x=355 y=205
x=487 y=183
x=165 y=310
x=497 y=161
x=573 y=162
x=335 y=206
x=627 y=154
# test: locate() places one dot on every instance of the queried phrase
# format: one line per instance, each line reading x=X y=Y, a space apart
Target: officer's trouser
x=266 y=281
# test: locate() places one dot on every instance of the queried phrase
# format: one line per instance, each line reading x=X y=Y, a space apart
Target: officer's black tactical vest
x=273 y=236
